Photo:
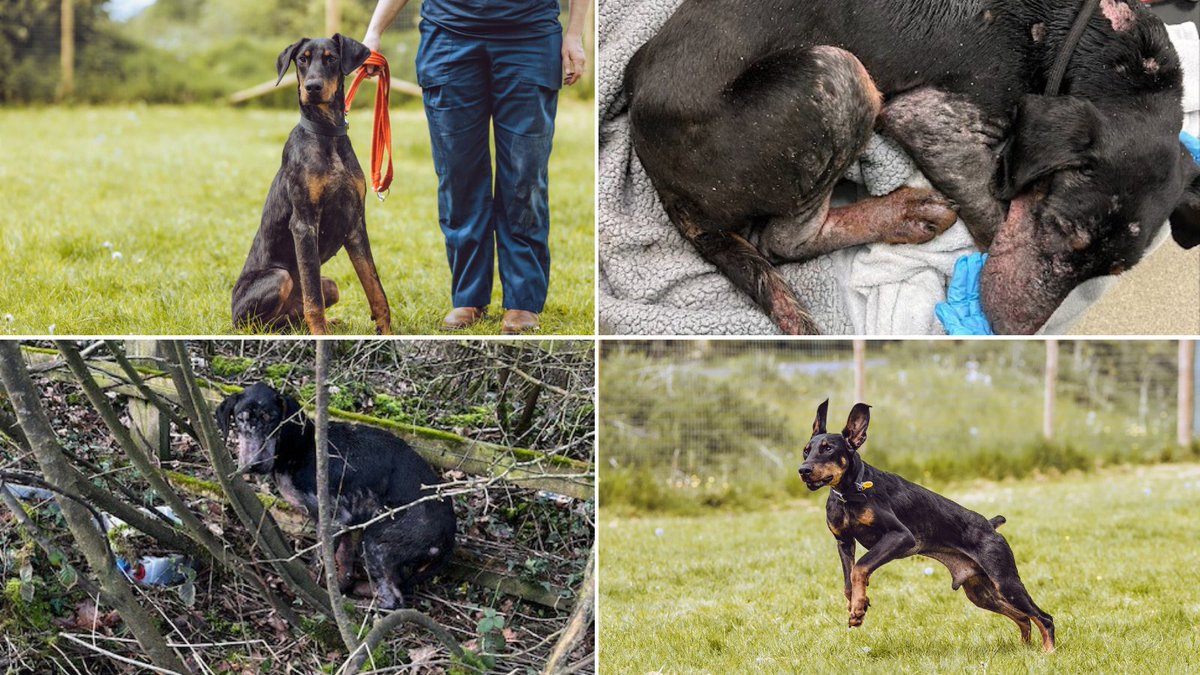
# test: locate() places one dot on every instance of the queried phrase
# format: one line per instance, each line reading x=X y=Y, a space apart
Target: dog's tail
x=997 y=522
x=742 y=263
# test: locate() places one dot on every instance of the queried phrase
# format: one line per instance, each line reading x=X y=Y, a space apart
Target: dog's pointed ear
x=856 y=425
x=351 y=52
x=1185 y=219
x=225 y=412
x=286 y=57
x=819 y=422
x=1050 y=133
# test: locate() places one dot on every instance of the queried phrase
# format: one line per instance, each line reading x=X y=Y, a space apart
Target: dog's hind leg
x=769 y=142
x=996 y=560
x=744 y=265
x=981 y=591
x=271 y=299
x=263 y=298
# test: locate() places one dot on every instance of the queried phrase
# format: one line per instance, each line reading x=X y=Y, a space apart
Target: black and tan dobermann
x=315 y=206
x=893 y=518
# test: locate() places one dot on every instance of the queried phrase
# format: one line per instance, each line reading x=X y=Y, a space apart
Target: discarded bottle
x=154 y=571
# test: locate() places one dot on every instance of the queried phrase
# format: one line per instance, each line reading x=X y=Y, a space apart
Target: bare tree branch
x=324 y=508
x=91 y=541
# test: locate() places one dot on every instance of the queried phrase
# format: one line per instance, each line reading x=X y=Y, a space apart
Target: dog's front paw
x=923 y=215
x=858 y=610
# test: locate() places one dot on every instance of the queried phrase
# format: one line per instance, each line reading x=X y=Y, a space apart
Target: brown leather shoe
x=518 y=321
x=463 y=317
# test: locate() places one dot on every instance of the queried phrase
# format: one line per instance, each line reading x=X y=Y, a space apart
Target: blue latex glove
x=962 y=313
x=1192 y=144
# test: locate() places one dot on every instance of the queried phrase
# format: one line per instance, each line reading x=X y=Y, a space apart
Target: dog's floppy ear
x=1051 y=133
x=351 y=52
x=286 y=57
x=819 y=422
x=1185 y=219
x=290 y=409
x=225 y=411
x=856 y=425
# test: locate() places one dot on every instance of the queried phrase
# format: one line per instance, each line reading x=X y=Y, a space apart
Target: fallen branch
x=388 y=623
x=581 y=618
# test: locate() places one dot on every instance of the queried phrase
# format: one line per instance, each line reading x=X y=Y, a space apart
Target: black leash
x=1068 y=47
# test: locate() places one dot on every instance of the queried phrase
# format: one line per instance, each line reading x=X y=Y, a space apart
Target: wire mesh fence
x=697 y=413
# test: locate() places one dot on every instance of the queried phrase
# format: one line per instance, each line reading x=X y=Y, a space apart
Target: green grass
x=1116 y=566
x=178 y=192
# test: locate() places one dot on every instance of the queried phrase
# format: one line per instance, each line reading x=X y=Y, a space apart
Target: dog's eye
x=302 y=60
x=806 y=453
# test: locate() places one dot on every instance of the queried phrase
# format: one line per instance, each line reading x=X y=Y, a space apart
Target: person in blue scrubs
x=493 y=64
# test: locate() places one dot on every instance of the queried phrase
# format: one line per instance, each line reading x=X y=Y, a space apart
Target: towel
x=653 y=282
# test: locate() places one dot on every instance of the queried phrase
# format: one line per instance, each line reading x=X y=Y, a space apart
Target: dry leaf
x=422 y=655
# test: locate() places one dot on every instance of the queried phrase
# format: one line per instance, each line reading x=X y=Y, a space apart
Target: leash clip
x=383 y=195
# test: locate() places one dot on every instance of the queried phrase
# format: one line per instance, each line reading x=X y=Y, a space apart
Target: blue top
x=502 y=19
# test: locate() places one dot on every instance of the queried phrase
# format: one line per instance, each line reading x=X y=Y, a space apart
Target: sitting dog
x=315 y=205
x=746 y=114
x=370 y=471
x=893 y=518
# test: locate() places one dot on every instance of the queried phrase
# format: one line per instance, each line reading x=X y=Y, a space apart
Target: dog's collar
x=860 y=487
x=322 y=129
x=1068 y=47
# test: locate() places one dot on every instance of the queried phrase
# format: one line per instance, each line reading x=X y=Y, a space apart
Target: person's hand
x=962 y=313
x=574 y=59
x=371 y=42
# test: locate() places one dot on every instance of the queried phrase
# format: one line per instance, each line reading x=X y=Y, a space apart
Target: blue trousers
x=471 y=84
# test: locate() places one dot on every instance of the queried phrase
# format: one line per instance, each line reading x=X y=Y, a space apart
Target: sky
x=123 y=10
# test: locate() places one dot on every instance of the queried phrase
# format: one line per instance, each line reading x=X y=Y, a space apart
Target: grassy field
x=1112 y=556
x=138 y=219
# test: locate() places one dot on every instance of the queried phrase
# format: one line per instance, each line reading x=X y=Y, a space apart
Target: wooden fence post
x=150 y=428
x=1187 y=392
x=860 y=370
x=66 y=86
x=333 y=17
x=1051 y=381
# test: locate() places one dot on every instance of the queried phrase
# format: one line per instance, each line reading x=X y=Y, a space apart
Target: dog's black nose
x=805 y=471
x=313 y=86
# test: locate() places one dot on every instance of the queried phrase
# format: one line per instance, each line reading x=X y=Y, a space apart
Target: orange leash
x=381 y=134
